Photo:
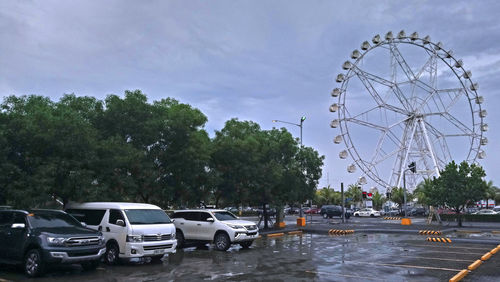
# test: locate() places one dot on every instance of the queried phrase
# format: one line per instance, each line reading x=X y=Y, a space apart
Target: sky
x=253 y=60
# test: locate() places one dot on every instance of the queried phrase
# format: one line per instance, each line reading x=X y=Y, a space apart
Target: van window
x=19 y=218
x=115 y=215
x=147 y=216
x=90 y=217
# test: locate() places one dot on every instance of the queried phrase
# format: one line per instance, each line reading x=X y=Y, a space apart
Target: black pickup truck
x=39 y=238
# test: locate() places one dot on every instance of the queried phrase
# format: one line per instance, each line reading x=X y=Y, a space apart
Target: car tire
x=222 y=242
x=90 y=265
x=372 y=215
x=246 y=244
x=356 y=215
x=325 y=216
x=180 y=239
x=33 y=263
x=111 y=256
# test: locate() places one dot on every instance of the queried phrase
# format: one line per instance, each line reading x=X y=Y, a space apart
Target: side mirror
x=210 y=219
x=173 y=219
x=18 y=226
x=84 y=224
x=120 y=222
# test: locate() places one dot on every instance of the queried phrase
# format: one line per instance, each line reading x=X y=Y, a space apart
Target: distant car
x=312 y=211
x=472 y=210
x=367 y=212
x=329 y=211
x=418 y=211
x=497 y=209
x=486 y=212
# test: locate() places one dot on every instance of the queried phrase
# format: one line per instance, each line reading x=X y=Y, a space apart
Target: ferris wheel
x=404 y=99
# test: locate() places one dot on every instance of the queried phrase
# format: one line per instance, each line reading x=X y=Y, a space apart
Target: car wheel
x=372 y=215
x=356 y=215
x=112 y=253
x=180 y=238
x=325 y=215
x=33 y=264
x=222 y=242
x=246 y=244
x=90 y=265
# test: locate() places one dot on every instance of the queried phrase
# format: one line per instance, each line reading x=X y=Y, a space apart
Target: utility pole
x=343 y=201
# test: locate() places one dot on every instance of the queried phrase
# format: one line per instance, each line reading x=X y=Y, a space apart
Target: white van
x=131 y=230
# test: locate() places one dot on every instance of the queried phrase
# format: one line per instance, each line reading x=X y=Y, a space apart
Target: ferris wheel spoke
x=387 y=156
x=458 y=92
x=429 y=64
x=366 y=79
x=441 y=138
x=402 y=63
x=458 y=124
x=365 y=123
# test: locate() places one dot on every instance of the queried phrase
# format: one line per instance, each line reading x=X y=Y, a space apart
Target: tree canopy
x=128 y=149
x=456 y=187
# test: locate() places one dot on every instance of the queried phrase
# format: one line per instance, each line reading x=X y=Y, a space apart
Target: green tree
x=354 y=193
x=378 y=200
x=491 y=191
x=457 y=186
x=328 y=196
x=398 y=197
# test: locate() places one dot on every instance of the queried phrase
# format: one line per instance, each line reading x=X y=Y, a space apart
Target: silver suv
x=218 y=226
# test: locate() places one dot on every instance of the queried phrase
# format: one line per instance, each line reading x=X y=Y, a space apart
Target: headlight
x=235 y=226
x=56 y=240
x=134 y=238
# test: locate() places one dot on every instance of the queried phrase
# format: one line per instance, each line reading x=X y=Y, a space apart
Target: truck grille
x=150 y=248
x=82 y=241
x=157 y=237
x=82 y=254
x=251 y=227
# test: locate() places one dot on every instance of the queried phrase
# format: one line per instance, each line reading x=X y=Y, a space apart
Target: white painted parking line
x=344 y=275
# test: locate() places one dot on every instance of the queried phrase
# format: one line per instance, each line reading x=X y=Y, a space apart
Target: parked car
x=218 y=226
x=472 y=210
x=131 y=230
x=39 y=238
x=312 y=210
x=329 y=211
x=486 y=212
x=497 y=209
x=418 y=211
x=367 y=212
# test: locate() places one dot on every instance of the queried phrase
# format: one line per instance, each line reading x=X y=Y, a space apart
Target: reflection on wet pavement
x=359 y=257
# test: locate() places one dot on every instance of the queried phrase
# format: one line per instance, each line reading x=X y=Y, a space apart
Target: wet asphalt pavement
x=310 y=257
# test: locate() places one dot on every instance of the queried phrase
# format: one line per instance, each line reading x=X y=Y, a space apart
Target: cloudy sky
x=254 y=60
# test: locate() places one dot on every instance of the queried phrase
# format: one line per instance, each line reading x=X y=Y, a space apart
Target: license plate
x=157 y=252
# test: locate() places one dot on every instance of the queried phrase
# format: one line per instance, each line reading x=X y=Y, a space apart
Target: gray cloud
x=257 y=60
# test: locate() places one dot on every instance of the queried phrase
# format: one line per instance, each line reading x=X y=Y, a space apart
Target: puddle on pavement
x=296 y=258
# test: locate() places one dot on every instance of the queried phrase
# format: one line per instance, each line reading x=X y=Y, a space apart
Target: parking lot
x=306 y=257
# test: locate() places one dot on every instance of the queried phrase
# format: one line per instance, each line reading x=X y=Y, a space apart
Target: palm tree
x=491 y=191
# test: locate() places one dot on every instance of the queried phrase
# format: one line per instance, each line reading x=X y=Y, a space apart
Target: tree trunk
x=264 y=211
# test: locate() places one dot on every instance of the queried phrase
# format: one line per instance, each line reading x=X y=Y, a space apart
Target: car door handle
x=182 y=223
x=199 y=224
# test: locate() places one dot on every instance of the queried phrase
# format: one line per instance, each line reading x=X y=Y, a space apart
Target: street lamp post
x=302 y=119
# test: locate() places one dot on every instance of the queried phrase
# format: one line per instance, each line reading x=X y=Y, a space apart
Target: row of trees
x=126 y=149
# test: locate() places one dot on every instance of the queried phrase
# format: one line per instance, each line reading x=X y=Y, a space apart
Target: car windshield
x=224 y=216
x=147 y=216
x=51 y=219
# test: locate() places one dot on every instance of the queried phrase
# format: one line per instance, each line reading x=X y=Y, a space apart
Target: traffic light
x=413 y=167
x=370 y=195
x=364 y=195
